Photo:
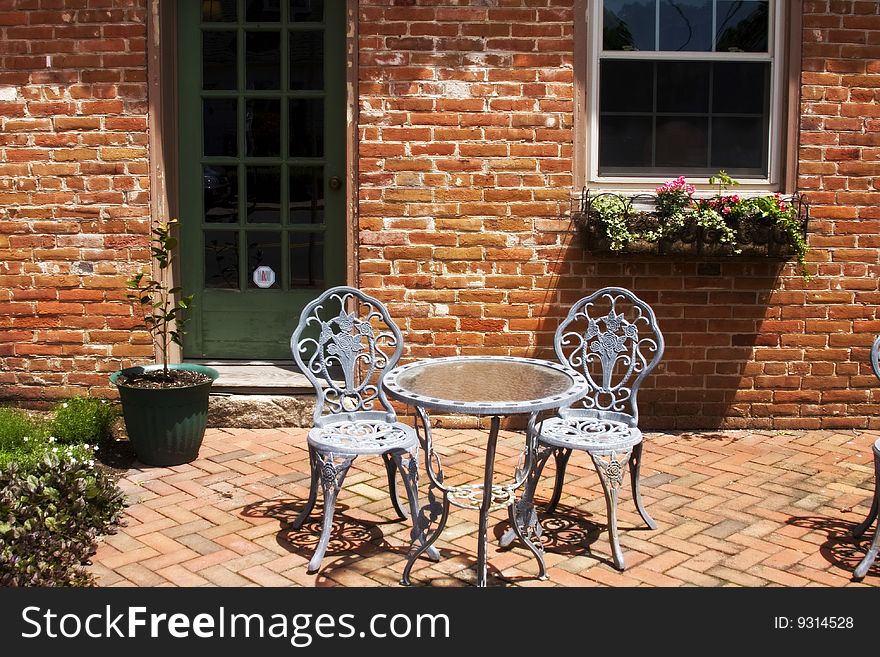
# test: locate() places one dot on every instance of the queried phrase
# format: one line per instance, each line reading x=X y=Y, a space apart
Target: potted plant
x=165 y=406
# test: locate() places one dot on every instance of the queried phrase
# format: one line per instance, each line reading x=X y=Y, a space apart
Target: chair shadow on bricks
x=840 y=548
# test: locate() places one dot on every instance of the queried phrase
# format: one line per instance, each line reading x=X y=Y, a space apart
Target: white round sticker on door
x=264 y=276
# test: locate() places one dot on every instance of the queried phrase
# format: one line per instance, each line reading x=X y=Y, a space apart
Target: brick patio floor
x=733 y=508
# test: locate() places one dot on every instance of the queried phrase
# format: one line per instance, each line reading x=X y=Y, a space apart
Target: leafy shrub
x=23 y=439
x=83 y=420
x=50 y=516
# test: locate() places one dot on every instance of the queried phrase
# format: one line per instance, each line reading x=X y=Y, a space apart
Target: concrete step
x=259 y=395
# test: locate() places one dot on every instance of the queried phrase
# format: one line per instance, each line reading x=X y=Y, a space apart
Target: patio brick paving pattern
x=733 y=508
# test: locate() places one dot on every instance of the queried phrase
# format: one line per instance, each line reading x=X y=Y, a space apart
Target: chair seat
x=877 y=448
x=357 y=437
x=589 y=434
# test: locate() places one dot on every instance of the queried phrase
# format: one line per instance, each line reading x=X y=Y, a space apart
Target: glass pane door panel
x=220 y=131
x=306 y=260
x=264 y=195
x=219 y=11
x=219 y=60
x=264 y=250
x=263 y=127
x=221 y=259
x=306 y=127
x=220 y=184
x=306 y=195
x=306 y=60
x=263 y=60
x=306 y=11
x=263 y=11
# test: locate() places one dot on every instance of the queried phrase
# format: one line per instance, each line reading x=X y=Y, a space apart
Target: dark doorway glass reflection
x=742 y=26
x=263 y=127
x=306 y=127
x=263 y=60
x=220 y=184
x=219 y=60
x=263 y=11
x=306 y=195
x=264 y=250
x=307 y=11
x=306 y=259
x=221 y=259
x=220 y=126
x=219 y=11
x=264 y=195
x=629 y=25
x=306 y=60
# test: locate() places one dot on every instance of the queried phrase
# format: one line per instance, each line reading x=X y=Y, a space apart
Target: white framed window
x=685 y=87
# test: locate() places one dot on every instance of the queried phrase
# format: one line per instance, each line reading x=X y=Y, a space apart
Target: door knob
x=335 y=183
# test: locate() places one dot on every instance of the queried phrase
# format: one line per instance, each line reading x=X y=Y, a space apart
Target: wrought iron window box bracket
x=755 y=236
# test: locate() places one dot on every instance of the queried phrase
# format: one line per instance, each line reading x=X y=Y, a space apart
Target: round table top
x=485 y=385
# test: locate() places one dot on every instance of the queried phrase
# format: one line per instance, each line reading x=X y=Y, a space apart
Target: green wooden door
x=262 y=168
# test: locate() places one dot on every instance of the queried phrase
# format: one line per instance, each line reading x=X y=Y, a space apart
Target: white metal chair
x=344 y=343
x=612 y=338
x=869 y=558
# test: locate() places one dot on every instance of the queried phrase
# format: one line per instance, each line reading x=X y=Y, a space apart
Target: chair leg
x=391 y=470
x=862 y=528
x=561 y=454
x=635 y=466
x=524 y=509
x=611 y=473
x=332 y=477
x=313 y=490
x=409 y=472
x=862 y=569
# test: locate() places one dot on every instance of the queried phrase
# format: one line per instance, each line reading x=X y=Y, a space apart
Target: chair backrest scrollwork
x=344 y=343
x=612 y=338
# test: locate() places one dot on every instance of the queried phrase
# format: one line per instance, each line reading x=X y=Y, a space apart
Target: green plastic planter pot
x=165 y=425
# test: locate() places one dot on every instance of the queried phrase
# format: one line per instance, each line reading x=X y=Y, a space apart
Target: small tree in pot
x=165 y=405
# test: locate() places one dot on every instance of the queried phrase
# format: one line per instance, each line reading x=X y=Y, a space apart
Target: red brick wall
x=74 y=192
x=466 y=142
x=465 y=171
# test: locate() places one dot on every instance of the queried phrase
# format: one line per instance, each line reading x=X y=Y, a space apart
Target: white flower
x=64 y=405
x=91 y=462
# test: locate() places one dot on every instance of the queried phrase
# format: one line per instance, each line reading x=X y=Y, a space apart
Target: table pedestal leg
x=487 y=500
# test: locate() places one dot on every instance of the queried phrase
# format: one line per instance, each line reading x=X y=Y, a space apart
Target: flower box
x=673 y=222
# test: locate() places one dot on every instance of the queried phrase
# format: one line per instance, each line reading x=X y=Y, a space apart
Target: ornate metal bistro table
x=492 y=386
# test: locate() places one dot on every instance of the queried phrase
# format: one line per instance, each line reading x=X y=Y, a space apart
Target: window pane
x=263 y=128
x=738 y=144
x=263 y=60
x=626 y=86
x=218 y=11
x=218 y=60
x=306 y=121
x=306 y=60
x=307 y=10
x=686 y=25
x=683 y=86
x=306 y=260
x=221 y=259
x=741 y=88
x=220 y=126
x=264 y=250
x=629 y=25
x=263 y=11
x=220 y=185
x=306 y=195
x=264 y=195
x=742 y=26
x=682 y=141
x=624 y=141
